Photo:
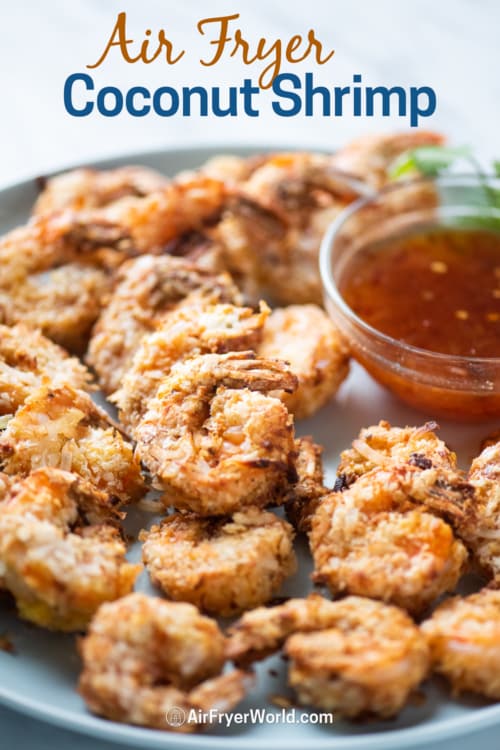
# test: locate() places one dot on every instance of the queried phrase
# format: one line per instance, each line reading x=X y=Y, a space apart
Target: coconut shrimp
x=354 y=656
x=213 y=439
x=56 y=275
x=61 y=554
x=480 y=528
x=464 y=639
x=144 y=657
x=273 y=223
x=382 y=446
x=223 y=565
x=303 y=497
x=62 y=427
x=147 y=289
x=27 y=358
x=91 y=188
x=370 y=157
x=380 y=537
x=304 y=336
x=191 y=330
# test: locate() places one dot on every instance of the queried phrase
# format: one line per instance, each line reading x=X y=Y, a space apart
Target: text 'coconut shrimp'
x=193 y=329
x=464 y=639
x=62 y=427
x=213 y=439
x=380 y=537
x=354 y=656
x=147 y=289
x=61 y=554
x=143 y=657
x=27 y=359
x=304 y=336
x=223 y=565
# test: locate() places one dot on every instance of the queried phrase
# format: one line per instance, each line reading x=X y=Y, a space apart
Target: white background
x=451 y=45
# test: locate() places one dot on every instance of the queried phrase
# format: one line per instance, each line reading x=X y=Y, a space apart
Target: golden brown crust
x=61 y=554
x=213 y=439
x=147 y=289
x=61 y=427
x=143 y=656
x=27 y=359
x=303 y=497
x=224 y=565
x=464 y=639
x=304 y=336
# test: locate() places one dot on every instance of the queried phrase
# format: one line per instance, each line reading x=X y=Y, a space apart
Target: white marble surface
x=451 y=45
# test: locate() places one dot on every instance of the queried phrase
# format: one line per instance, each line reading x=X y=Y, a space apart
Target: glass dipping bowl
x=457 y=388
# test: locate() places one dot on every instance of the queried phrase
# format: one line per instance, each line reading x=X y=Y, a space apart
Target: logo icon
x=176 y=716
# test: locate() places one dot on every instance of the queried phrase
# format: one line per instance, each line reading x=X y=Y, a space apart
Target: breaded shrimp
x=382 y=446
x=304 y=336
x=464 y=639
x=148 y=288
x=60 y=553
x=195 y=328
x=27 y=357
x=143 y=657
x=480 y=528
x=56 y=274
x=223 y=565
x=91 y=188
x=185 y=204
x=370 y=157
x=62 y=427
x=354 y=656
x=213 y=439
x=379 y=538
x=303 y=497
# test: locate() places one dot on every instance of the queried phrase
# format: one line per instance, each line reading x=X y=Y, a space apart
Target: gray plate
x=40 y=678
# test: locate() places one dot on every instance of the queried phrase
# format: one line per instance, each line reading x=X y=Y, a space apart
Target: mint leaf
x=496 y=168
x=428 y=161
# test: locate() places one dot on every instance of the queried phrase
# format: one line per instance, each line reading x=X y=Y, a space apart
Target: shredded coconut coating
x=223 y=565
x=143 y=656
x=61 y=554
x=304 y=336
x=148 y=288
x=27 y=359
x=214 y=440
x=380 y=537
x=62 y=427
x=353 y=657
x=193 y=329
x=464 y=639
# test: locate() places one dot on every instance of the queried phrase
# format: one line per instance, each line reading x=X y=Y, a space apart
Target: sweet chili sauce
x=437 y=290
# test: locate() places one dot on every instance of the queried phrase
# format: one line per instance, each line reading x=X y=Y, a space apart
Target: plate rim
x=478 y=719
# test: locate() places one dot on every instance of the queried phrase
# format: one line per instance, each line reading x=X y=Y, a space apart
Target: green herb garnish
x=430 y=161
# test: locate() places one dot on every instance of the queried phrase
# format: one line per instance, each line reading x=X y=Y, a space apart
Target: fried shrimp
x=213 y=439
x=27 y=357
x=303 y=497
x=354 y=656
x=91 y=188
x=147 y=289
x=370 y=157
x=304 y=336
x=191 y=330
x=56 y=275
x=480 y=528
x=61 y=554
x=61 y=427
x=382 y=445
x=143 y=657
x=223 y=565
x=183 y=205
x=464 y=638
x=380 y=537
